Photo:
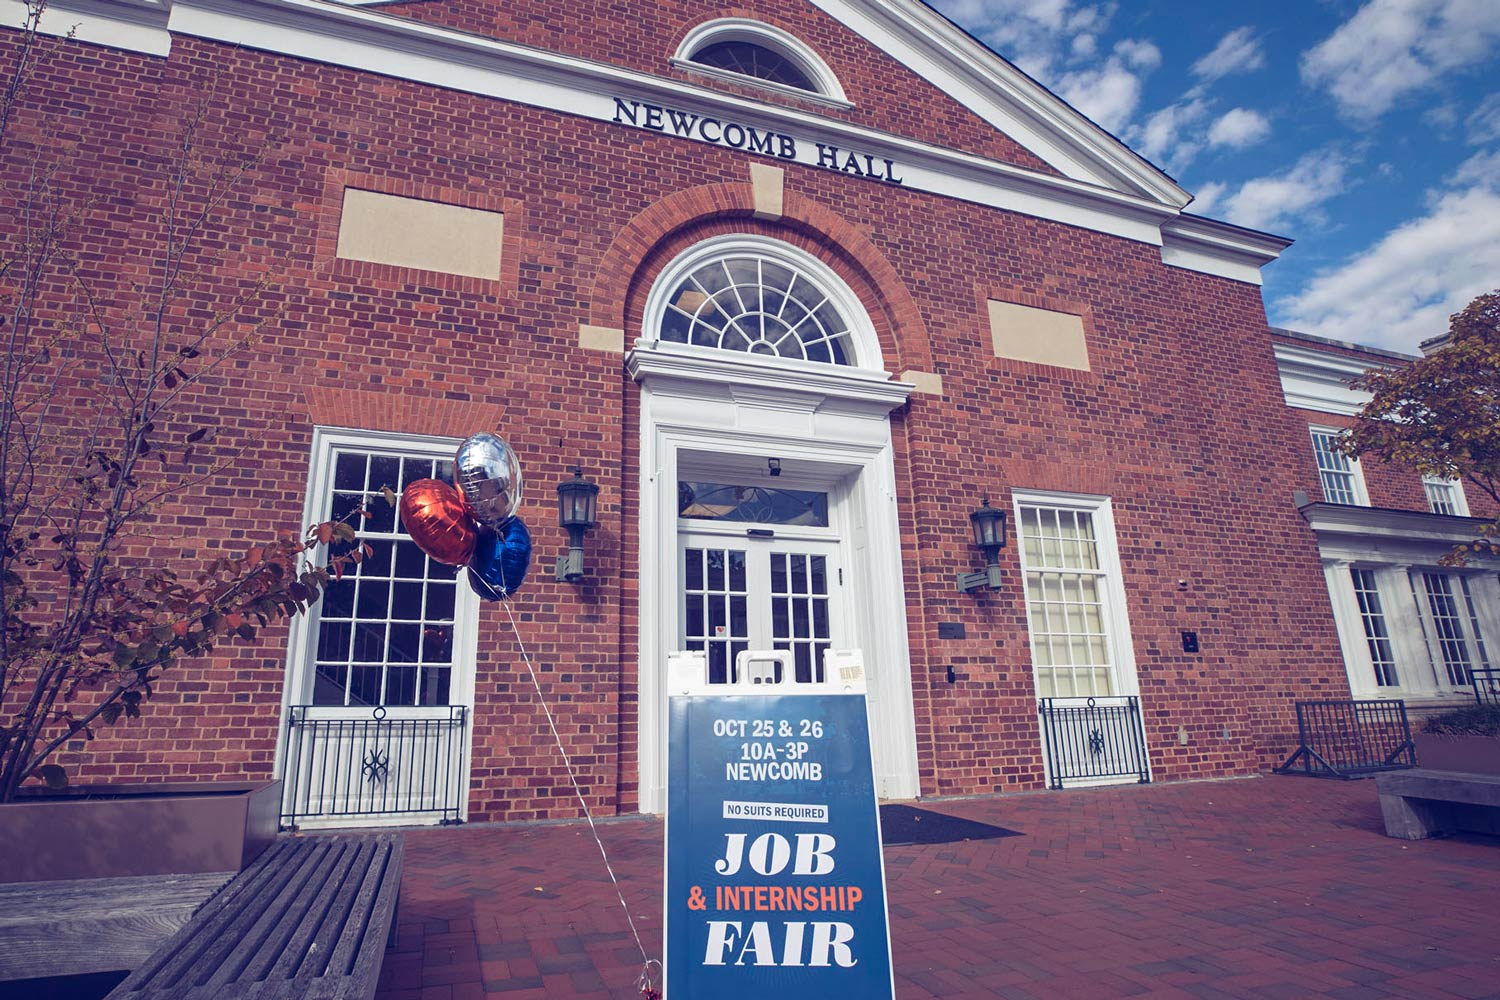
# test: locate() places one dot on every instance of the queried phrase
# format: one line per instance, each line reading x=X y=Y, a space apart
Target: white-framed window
x=396 y=630
x=1377 y=629
x=762 y=297
x=1445 y=496
x=1450 y=625
x=745 y=50
x=1339 y=474
x=1075 y=602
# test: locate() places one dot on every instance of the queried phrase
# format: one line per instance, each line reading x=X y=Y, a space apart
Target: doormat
x=903 y=824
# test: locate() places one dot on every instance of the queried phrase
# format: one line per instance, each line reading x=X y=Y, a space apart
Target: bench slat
x=307 y=954
x=362 y=953
x=293 y=914
x=227 y=920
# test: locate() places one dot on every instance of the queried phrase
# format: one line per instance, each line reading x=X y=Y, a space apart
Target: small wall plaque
x=951 y=630
x=1190 y=642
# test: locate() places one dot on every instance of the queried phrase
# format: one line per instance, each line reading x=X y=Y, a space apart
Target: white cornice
x=1205 y=245
x=1319 y=380
x=133 y=25
x=1349 y=532
x=930 y=45
x=654 y=362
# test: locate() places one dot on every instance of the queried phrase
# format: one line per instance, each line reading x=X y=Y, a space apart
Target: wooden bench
x=309 y=919
x=80 y=926
x=1422 y=802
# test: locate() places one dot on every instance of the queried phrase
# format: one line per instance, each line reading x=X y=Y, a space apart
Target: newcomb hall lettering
x=719 y=132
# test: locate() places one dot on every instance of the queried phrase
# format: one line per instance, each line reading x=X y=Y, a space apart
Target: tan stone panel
x=767 y=186
x=1041 y=336
x=601 y=338
x=410 y=232
x=928 y=383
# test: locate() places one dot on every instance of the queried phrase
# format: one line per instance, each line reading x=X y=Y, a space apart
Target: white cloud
x=1207 y=196
x=1391 y=48
x=1109 y=93
x=1484 y=121
x=1167 y=137
x=1036 y=35
x=1274 y=202
x=1237 y=52
x=1239 y=129
x=1402 y=290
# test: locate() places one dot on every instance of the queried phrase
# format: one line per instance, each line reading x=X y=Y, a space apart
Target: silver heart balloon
x=489 y=474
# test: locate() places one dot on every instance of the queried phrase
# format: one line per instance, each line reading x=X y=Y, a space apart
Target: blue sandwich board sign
x=774 y=881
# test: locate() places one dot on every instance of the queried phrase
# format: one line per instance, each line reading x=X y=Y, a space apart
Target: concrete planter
x=1469 y=754
x=107 y=831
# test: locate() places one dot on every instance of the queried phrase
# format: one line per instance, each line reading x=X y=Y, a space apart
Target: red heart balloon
x=437 y=519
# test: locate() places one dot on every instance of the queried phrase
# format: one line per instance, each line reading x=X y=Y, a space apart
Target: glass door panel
x=758 y=594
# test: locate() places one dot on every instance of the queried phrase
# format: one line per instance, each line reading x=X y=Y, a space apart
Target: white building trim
x=132 y=25
x=1319 y=380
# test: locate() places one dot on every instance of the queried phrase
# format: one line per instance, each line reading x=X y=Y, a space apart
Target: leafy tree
x=98 y=433
x=1441 y=413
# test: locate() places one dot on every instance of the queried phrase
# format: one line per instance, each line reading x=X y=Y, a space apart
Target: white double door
x=751 y=589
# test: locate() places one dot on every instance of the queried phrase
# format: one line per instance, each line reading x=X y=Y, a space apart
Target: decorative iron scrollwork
x=1097 y=742
x=377 y=766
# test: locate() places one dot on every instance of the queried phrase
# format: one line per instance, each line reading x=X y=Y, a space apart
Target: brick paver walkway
x=1267 y=887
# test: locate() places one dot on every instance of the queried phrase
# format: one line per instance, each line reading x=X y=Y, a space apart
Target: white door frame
x=827 y=422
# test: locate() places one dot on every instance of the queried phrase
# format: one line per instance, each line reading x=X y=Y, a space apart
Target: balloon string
x=578 y=790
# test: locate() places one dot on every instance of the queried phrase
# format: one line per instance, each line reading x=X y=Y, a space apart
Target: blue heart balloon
x=501 y=559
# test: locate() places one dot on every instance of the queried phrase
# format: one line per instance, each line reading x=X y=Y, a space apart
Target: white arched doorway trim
x=704 y=407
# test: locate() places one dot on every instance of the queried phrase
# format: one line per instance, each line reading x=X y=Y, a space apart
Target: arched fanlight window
x=757 y=304
x=739 y=48
x=754 y=60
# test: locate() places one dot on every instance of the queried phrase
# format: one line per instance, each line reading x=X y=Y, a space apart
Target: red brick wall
x=1181 y=420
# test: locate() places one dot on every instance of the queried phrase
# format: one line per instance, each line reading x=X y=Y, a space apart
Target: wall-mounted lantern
x=577 y=501
x=988 y=524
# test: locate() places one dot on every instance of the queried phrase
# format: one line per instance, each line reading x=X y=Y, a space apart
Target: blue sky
x=1366 y=130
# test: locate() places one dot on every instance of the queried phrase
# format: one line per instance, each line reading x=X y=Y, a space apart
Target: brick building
x=1409 y=626
x=799 y=285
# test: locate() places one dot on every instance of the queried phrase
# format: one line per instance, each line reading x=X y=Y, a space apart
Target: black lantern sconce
x=989 y=534
x=577 y=502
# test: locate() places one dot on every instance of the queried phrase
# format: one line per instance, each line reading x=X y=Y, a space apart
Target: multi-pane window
x=1377 y=634
x=716 y=596
x=385 y=631
x=1067 y=601
x=1338 y=473
x=1445 y=496
x=799 y=610
x=756 y=305
x=1450 y=624
x=754 y=60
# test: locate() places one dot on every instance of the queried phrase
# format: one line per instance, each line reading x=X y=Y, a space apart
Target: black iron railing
x=1486 y=681
x=1347 y=739
x=373 y=766
x=1095 y=741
